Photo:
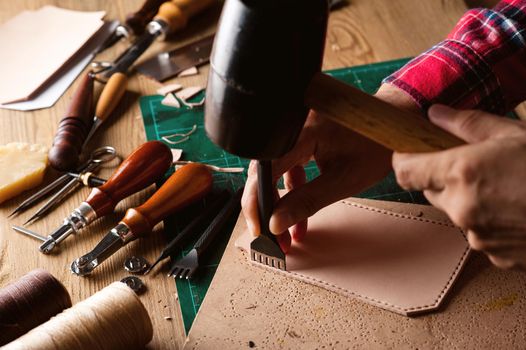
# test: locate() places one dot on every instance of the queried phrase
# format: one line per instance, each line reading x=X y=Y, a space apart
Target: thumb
x=471 y=125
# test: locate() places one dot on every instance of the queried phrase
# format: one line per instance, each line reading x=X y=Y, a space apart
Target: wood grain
x=245 y=303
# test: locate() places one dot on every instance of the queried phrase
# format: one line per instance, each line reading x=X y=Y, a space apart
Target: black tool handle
x=73 y=128
x=195 y=224
x=215 y=227
x=265 y=197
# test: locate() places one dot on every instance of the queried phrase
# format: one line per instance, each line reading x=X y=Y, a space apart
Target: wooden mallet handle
x=396 y=129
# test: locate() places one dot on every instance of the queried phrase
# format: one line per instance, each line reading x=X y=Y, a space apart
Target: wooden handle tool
x=143 y=167
x=73 y=128
x=187 y=185
x=176 y=13
x=396 y=129
x=172 y=17
x=108 y=100
x=137 y=21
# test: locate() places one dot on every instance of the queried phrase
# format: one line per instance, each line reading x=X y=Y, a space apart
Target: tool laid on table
x=135 y=22
x=65 y=184
x=143 y=167
x=73 y=128
x=168 y=64
x=109 y=99
x=171 y=17
x=282 y=42
x=79 y=125
x=88 y=179
x=182 y=188
x=191 y=229
x=188 y=265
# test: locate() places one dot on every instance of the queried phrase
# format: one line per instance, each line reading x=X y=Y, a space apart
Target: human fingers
x=472 y=125
x=304 y=201
x=292 y=179
x=504 y=251
x=422 y=171
x=249 y=200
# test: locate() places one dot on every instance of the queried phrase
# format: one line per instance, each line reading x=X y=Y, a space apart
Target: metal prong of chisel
x=28 y=232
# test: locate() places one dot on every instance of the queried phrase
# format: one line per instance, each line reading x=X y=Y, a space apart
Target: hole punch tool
x=147 y=164
x=65 y=183
x=185 y=186
x=187 y=266
x=176 y=244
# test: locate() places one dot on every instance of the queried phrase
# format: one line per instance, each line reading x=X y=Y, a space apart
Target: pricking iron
x=265 y=248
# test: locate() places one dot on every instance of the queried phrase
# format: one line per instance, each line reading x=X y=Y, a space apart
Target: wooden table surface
x=364 y=31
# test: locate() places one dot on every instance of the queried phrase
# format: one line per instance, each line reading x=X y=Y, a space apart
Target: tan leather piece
x=36 y=44
x=401 y=263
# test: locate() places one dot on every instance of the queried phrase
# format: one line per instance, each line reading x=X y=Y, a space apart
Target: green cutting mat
x=162 y=121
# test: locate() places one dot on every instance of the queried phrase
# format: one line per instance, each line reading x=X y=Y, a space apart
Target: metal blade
x=169 y=64
x=132 y=54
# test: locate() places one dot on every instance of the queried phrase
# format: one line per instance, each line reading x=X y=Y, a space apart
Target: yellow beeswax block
x=22 y=167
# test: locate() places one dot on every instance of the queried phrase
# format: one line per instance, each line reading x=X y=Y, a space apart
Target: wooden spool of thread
x=114 y=318
x=30 y=301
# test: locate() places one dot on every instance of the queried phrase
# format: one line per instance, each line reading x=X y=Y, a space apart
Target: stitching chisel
x=185 y=186
x=143 y=167
x=191 y=229
x=188 y=265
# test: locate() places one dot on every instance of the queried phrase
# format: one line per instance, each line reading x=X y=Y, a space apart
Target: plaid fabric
x=481 y=64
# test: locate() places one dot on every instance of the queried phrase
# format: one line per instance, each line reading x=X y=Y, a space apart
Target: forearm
x=481 y=64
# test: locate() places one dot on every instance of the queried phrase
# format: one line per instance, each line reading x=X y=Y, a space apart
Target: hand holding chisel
x=142 y=168
x=187 y=185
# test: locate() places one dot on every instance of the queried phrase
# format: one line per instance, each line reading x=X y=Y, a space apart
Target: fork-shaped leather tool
x=188 y=265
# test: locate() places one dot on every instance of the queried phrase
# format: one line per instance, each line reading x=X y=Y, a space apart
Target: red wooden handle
x=187 y=185
x=73 y=128
x=143 y=167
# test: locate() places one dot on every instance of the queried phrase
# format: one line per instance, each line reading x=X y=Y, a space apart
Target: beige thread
x=113 y=318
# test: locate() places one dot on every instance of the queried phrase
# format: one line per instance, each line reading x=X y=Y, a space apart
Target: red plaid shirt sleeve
x=481 y=64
